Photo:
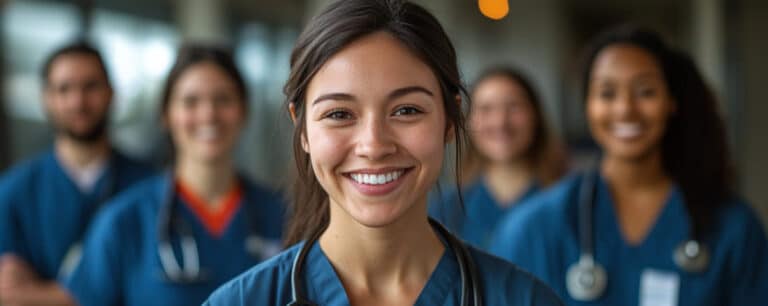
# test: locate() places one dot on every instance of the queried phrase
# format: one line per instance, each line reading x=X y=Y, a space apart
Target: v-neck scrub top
x=543 y=239
x=43 y=213
x=121 y=263
x=269 y=283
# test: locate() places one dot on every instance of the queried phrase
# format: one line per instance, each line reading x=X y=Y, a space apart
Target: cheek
x=424 y=143
x=595 y=114
x=478 y=122
x=326 y=148
x=658 y=112
x=234 y=115
x=176 y=121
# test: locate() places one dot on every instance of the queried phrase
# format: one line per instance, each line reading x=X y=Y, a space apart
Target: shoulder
x=521 y=287
x=267 y=283
x=445 y=203
x=16 y=182
x=261 y=193
x=130 y=169
x=737 y=221
x=23 y=172
x=550 y=208
x=128 y=205
x=538 y=222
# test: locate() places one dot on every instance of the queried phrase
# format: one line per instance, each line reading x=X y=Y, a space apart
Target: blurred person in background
x=512 y=155
x=658 y=223
x=174 y=238
x=47 y=202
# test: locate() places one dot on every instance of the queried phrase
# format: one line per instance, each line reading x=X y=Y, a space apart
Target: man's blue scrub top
x=43 y=213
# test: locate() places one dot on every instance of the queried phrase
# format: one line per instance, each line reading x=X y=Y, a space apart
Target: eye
x=338 y=114
x=64 y=88
x=407 y=111
x=223 y=99
x=646 y=92
x=189 y=101
x=606 y=94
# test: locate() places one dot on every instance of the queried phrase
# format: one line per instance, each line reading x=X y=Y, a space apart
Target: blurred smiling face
x=77 y=97
x=375 y=130
x=205 y=113
x=501 y=120
x=628 y=103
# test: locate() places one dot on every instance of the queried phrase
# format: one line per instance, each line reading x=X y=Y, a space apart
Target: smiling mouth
x=207 y=133
x=377 y=182
x=376 y=179
x=627 y=130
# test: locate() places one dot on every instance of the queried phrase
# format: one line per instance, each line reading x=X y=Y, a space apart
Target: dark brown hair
x=545 y=155
x=340 y=24
x=694 y=146
x=80 y=47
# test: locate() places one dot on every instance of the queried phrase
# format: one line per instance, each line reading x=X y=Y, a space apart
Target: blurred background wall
x=543 y=37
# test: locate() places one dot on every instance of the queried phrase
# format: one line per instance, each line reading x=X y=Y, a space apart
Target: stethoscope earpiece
x=586 y=279
x=691 y=256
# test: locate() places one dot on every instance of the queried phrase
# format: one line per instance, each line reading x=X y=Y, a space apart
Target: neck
x=640 y=174
x=79 y=155
x=391 y=260
x=211 y=181
x=508 y=180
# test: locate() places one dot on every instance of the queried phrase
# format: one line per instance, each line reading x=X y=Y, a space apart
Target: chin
x=381 y=216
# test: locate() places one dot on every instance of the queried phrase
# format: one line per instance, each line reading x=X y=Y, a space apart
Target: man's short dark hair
x=80 y=47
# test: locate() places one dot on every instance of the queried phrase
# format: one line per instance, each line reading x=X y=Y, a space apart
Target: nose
x=75 y=97
x=207 y=110
x=375 y=140
x=625 y=105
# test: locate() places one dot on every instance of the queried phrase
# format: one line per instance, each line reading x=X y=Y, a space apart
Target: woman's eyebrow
x=337 y=96
x=397 y=93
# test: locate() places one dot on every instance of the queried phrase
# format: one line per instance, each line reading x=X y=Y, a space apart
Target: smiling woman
x=658 y=223
x=375 y=96
x=174 y=238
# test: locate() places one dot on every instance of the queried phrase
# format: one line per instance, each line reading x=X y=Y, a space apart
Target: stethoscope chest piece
x=586 y=279
x=691 y=256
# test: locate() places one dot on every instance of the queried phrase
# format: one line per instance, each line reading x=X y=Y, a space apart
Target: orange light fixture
x=494 y=9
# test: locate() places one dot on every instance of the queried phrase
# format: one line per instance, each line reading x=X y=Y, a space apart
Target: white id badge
x=659 y=288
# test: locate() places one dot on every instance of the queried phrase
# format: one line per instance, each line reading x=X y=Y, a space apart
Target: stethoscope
x=470 y=283
x=586 y=279
x=190 y=271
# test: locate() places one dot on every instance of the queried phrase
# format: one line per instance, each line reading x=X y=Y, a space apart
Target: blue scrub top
x=43 y=213
x=121 y=265
x=270 y=283
x=475 y=222
x=542 y=238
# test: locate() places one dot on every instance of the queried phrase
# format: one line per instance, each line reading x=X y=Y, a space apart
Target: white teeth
x=376 y=179
x=207 y=133
x=627 y=130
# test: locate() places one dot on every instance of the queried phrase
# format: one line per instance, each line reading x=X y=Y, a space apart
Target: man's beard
x=94 y=134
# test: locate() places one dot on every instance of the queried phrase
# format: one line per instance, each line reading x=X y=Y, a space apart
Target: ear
x=450 y=131
x=47 y=96
x=292 y=112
